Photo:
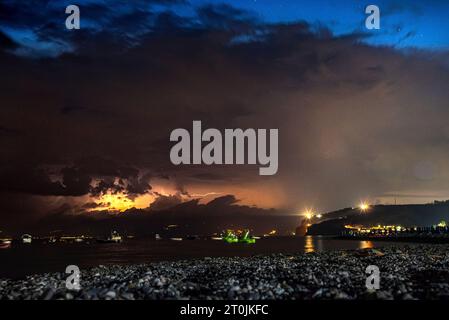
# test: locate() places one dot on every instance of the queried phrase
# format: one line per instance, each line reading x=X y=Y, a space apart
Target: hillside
x=404 y=215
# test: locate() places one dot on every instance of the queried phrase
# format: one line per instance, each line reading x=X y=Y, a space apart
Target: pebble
x=407 y=273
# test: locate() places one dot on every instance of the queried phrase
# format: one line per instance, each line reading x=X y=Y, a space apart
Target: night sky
x=86 y=114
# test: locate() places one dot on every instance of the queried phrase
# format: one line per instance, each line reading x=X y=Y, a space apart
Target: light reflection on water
x=315 y=244
x=366 y=245
x=308 y=244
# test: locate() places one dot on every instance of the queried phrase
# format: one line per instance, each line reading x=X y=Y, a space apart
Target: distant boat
x=230 y=237
x=5 y=244
x=52 y=240
x=157 y=236
x=176 y=239
x=26 y=238
x=79 y=239
x=247 y=238
x=114 y=238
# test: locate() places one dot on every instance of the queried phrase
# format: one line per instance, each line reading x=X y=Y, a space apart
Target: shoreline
x=407 y=272
x=417 y=240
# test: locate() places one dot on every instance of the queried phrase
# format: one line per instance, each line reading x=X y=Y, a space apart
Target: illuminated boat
x=26 y=238
x=114 y=238
x=243 y=237
x=5 y=244
x=230 y=237
x=246 y=238
x=79 y=239
x=52 y=240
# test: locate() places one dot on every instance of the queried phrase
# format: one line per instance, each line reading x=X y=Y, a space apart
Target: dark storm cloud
x=29 y=180
x=6 y=42
x=107 y=184
x=227 y=200
x=86 y=178
x=138 y=185
x=355 y=121
x=226 y=17
x=163 y=202
x=40 y=29
x=38 y=13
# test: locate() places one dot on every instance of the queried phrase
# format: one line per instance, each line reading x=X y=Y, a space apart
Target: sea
x=21 y=260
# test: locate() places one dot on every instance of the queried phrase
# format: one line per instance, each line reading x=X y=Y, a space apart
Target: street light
x=363 y=206
x=308 y=214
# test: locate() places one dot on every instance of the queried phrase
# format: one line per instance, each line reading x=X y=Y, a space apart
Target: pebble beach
x=406 y=272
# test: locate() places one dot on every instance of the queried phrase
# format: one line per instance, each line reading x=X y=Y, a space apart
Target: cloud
x=6 y=42
x=86 y=178
x=227 y=200
x=163 y=202
x=189 y=217
x=39 y=26
x=29 y=180
x=354 y=120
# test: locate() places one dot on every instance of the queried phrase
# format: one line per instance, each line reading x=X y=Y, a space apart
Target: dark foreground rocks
x=410 y=272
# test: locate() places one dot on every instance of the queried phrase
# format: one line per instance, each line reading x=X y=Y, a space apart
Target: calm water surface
x=21 y=260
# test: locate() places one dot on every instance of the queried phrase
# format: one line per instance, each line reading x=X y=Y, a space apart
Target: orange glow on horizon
x=119 y=202
x=267 y=196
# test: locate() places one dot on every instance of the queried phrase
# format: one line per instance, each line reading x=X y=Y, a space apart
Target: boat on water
x=157 y=236
x=27 y=239
x=241 y=237
x=52 y=240
x=79 y=239
x=176 y=239
x=247 y=238
x=230 y=237
x=115 y=237
x=5 y=244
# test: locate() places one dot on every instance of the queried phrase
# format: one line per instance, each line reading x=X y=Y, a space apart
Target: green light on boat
x=231 y=237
